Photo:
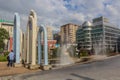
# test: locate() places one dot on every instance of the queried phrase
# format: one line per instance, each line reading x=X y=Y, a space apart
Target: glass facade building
x=104 y=36
x=84 y=38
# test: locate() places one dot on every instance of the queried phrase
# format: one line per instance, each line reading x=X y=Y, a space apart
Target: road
x=108 y=69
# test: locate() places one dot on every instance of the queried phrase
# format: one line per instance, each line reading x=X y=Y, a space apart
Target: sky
x=56 y=13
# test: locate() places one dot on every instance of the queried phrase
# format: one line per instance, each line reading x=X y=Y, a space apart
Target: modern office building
x=104 y=36
x=68 y=33
x=84 y=38
x=49 y=33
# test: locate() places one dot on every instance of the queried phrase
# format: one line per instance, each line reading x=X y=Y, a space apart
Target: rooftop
x=70 y=24
x=87 y=23
x=5 y=21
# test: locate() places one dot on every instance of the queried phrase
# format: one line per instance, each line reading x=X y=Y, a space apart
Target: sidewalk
x=5 y=71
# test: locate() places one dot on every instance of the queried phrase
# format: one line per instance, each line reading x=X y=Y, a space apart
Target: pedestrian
x=11 y=59
x=8 y=59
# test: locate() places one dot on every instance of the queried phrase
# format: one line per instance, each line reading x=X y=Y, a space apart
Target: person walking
x=11 y=58
x=8 y=59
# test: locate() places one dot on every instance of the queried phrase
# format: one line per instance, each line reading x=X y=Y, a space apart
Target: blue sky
x=55 y=13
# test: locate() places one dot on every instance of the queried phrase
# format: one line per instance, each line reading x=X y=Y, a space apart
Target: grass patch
x=3 y=58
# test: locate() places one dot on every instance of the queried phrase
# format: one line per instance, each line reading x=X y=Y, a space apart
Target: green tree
x=83 y=52
x=3 y=36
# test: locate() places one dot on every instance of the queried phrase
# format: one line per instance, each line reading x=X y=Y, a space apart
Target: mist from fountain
x=99 y=50
x=65 y=58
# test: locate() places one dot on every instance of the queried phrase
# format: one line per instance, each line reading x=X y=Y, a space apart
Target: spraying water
x=65 y=58
x=99 y=48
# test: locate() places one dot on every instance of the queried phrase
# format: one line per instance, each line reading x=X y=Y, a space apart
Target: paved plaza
x=108 y=69
x=4 y=70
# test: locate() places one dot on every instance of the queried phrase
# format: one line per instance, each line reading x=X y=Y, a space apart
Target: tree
x=3 y=36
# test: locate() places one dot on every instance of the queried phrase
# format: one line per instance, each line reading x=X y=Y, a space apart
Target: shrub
x=6 y=53
x=1 y=50
x=83 y=53
x=54 y=55
x=3 y=58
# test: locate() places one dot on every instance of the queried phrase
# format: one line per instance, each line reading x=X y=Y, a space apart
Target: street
x=108 y=69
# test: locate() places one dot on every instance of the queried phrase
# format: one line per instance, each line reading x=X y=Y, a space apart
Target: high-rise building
x=68 y=33
x=49 y=33
x=100 y=35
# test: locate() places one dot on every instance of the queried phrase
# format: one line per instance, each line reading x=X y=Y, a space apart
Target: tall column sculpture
x=24 y=47
x=21 y=45
x=43 y=28
x=31 y=38
x=39 y=47
x=27 y=45
x=32 y=33
x=45 y=66
x=16 y=38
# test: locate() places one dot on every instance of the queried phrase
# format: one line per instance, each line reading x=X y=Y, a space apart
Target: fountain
x=99 y=50
x=64 y=54
x=65 y=58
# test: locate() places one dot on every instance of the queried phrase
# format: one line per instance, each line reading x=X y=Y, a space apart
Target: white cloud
x=111 y=10
x=58 y=12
